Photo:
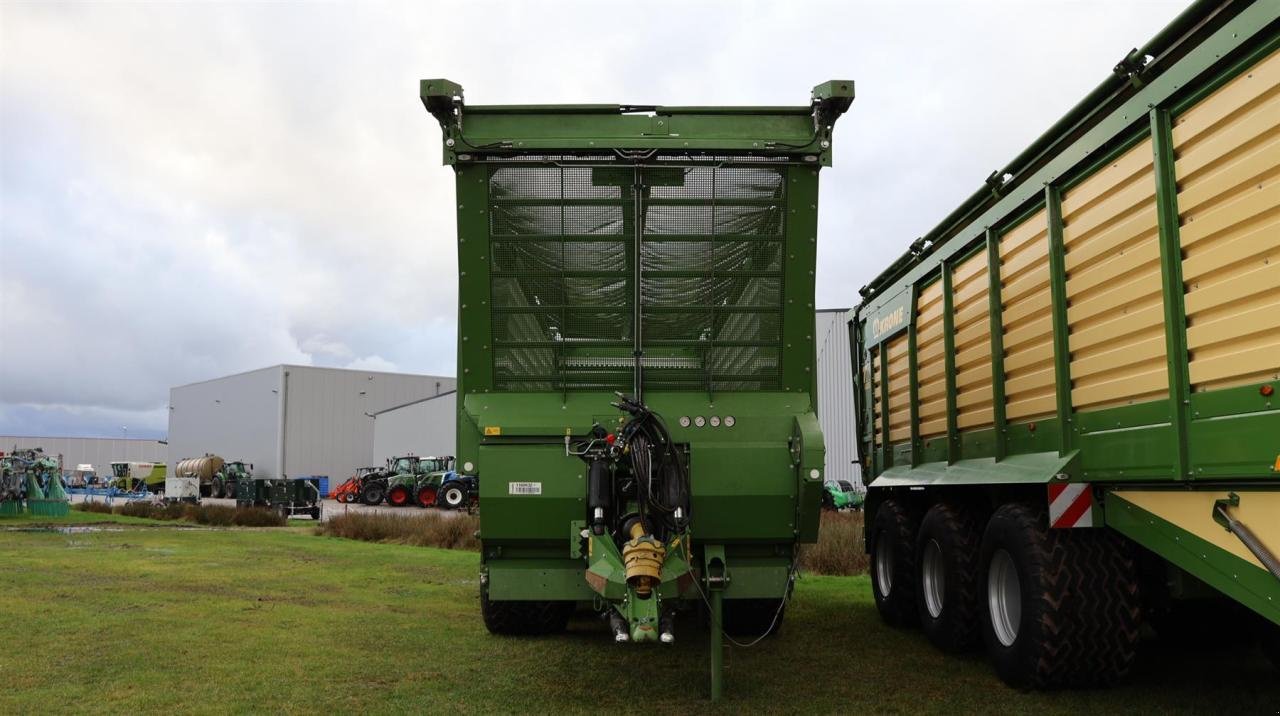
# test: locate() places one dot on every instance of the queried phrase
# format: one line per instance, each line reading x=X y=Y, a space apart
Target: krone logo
x=881 y=326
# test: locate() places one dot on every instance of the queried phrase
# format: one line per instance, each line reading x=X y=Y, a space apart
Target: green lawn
x=163 y=620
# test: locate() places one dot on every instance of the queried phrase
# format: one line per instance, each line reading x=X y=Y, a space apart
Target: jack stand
x=717 y=580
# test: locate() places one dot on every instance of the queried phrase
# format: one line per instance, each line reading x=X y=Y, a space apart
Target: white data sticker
x=524 y=488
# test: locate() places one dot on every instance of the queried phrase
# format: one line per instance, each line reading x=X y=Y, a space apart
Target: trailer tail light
x=1267 y=390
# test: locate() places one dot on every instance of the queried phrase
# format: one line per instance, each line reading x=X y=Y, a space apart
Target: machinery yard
x=1033 y=466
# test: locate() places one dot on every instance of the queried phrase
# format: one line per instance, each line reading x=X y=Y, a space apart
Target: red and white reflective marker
x=1070 y=505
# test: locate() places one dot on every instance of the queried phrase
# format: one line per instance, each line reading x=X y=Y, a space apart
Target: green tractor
x=838 y=495
x=401 y=482
x=435 y=473
x=224 y=482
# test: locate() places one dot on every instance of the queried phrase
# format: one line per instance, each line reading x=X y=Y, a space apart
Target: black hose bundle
x=661 y=475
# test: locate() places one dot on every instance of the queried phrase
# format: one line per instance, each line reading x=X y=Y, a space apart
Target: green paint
x=1058 y=294
x=1239 y=579
x=995 y=312
x=1175 y=316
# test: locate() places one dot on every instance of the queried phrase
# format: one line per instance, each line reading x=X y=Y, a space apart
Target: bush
x=258 y=517
x=840 y=548
x=448 y=530
x=212 y=515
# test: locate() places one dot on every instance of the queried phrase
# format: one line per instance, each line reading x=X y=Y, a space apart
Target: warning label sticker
x=524 y=488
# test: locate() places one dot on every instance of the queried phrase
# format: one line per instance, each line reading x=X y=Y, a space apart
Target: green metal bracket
x=886 y=446
x=1219 y=509
x=1175 y=316
x=1244 y=534
x=914 y=381
x=949 y=361
x=1061 y=342
x=996 y=311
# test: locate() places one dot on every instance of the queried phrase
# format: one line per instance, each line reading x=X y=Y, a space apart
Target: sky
x=189 y=190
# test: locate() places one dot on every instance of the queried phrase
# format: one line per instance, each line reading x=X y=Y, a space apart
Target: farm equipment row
x=410 y=480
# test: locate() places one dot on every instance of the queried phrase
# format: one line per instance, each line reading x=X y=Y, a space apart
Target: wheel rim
x=398 y=496
x=884 y=567
x=427 y=496
x=933 y=578
x=1004 y=597
x=453 y=497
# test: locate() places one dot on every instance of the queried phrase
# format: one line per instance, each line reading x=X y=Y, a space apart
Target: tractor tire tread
x=1086 y=608
x=524 y=618
x=960 y=532
x=897 y=522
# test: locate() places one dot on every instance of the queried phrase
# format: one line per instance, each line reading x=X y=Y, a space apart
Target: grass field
x=159 y=619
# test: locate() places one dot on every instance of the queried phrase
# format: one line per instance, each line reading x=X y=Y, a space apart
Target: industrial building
x=99 y=452
x=428 y=426
x=836 y=411
x=291 y=420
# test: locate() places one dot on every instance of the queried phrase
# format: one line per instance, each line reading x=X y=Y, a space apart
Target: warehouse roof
x=313 y=367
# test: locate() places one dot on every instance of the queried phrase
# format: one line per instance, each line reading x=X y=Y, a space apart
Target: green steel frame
x=1182 y=439
x=756 y=484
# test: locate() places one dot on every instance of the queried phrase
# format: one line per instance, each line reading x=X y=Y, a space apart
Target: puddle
x=86 y=529
x=67 y=530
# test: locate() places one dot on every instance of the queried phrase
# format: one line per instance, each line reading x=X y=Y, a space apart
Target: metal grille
x=562 y=240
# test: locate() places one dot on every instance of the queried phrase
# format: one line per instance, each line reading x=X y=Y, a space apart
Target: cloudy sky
x=194 y=189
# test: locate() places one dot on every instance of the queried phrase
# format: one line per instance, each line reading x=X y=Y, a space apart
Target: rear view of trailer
x=1067 y=389
x=636 y=356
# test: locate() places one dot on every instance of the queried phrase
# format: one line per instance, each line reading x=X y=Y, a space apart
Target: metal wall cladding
x=1227 y=149
x=971 y=303
x=1115 y=310
x=899 y=388
x=425 y=427
x=1027 y=316
x=931 y=363
x=837 y=415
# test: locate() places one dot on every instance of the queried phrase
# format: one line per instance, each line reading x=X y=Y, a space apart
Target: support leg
x=717 y=579
x=717 y=644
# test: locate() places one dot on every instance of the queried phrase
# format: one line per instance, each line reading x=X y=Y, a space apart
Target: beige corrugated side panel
x=1115 y=305
x=1228 y=167
x=1027 y=317
x=930 y=362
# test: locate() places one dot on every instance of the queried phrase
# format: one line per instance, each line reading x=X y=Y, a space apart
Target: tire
x=893 y=569
x=753 y=618
x=398 y=496
x=372 y=494
x=315 y=513
x=427 y=497
x=828 y=503
x=453 y=497
x=1060 y=608
x=947 y=551
x=525 y=618
x=230 y=489
x=215 y=490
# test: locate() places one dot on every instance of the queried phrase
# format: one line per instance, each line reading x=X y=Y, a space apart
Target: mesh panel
x=562 y=245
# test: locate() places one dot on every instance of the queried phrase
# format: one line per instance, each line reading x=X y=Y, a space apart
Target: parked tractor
x=841 y=495
x=402 y=480
x=138 y=476
x=352 y=489
x=435 y=470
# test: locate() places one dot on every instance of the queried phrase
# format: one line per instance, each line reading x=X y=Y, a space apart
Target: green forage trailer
x=636 y=356
x=1067 y=390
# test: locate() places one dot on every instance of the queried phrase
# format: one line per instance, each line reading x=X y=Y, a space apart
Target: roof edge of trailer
x=1136 y=70
x=635 y=132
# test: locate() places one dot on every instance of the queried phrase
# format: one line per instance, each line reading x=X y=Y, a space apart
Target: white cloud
x=192 y=189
